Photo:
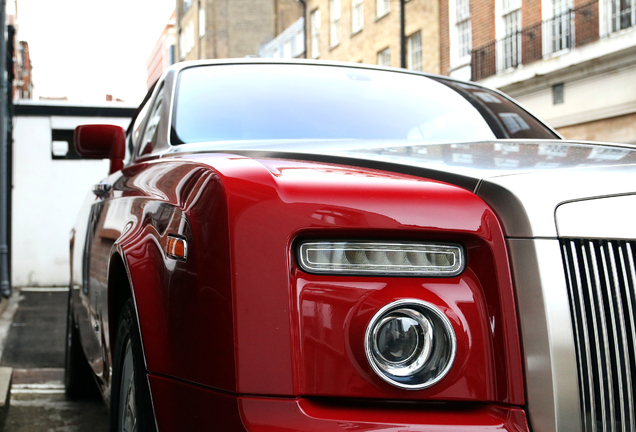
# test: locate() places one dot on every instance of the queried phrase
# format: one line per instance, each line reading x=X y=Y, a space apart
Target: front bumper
x=180 y=406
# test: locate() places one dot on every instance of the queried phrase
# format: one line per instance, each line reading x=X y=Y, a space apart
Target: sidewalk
x=32 y=342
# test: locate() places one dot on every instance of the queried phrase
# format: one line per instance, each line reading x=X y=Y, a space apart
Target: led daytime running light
x=394 y=258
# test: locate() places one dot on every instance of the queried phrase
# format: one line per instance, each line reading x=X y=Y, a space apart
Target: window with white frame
x=414 y=51
x=334 y=22
x=287 y=49
x=315 y=33
x=511 y=44
x=460 y=32
x=383 y=7
x=357 y=15
x=558 y=28
x=384 y=57
x=189 y=37
x=201 y=21
x=621 y=14
x=299 y=45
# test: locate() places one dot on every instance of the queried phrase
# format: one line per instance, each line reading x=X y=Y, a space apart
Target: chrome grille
x=601 y=276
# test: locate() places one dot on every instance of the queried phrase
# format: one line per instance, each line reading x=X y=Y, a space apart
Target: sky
x=85 y=49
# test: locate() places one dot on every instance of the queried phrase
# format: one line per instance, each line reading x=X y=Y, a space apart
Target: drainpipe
x=402 y=36
x=5 y=284
x=304 y=3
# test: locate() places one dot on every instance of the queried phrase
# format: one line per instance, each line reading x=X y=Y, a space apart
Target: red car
x=332 y=247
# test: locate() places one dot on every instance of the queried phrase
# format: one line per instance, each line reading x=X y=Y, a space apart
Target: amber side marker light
x=381 y=258
x=177 y=248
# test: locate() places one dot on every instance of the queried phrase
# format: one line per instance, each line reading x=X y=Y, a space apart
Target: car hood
x=524 y=181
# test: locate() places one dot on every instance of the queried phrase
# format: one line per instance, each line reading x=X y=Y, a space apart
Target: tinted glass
x=506 y=119
x=271 y=102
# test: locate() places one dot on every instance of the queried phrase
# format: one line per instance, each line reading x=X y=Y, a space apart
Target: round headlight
x=410 y=344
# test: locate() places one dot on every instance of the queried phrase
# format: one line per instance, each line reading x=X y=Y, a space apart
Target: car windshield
x=320 y=102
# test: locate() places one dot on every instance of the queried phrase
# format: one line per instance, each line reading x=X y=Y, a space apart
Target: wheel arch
x=119 y=290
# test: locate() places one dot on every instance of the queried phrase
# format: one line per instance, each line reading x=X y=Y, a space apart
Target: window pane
x=335 y=22
x=383 y=6
x=414 y=52
x=315 y=33
x=384 y=57
x=357 y=15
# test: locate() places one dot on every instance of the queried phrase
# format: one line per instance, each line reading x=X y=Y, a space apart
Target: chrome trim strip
x=547 y=334
x=581 y=334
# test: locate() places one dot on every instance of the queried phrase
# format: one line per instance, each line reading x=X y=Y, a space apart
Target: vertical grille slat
x=601 y=275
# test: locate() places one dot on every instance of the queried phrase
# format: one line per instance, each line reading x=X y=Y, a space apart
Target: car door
x=105 y=218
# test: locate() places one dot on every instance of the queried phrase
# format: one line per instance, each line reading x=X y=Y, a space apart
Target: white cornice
x=617 y=50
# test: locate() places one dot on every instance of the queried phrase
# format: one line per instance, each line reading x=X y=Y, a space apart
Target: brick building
x=22 y=72
x=164 y=54
x=572 y=62
x=209 y=29
x=368 y=31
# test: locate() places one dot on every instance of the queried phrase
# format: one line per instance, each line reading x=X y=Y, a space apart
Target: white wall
x=47 y=195
x=591 y=98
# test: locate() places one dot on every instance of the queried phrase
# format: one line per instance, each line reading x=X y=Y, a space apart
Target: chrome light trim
x=340 y=249
x=433 y=314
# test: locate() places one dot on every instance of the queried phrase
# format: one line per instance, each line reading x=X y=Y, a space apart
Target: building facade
x=288 y=44
x=164 y=54
x=368 y=31
x=210 y=29
x=571 y=62
x=19 y=56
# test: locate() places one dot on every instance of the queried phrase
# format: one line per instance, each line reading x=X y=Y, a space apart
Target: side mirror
x=102 y=142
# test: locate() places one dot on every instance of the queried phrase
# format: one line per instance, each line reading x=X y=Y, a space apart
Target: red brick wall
x=586 y=21
x=482 y=13
x=530 y=12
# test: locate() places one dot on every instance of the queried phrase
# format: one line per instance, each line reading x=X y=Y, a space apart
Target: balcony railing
x=575 y=27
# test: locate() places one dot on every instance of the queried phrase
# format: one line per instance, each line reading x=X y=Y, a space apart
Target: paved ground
x=34 y=347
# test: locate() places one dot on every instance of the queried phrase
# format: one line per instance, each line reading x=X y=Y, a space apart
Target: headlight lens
x=385 y=258
x=410 y=344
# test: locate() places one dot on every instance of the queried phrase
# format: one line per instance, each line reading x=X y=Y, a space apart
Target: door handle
x=101 y=190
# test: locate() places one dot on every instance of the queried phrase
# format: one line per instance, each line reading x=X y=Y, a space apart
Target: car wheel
x=79 y=382
x=131 y=407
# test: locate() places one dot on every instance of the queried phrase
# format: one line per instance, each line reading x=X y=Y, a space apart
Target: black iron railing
x=575 y=27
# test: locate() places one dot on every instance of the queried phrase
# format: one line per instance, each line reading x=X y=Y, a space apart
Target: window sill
x=356 y=32
x=379 y=17
x=334 y=46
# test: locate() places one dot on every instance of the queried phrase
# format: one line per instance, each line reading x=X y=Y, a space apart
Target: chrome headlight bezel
x=414 y=373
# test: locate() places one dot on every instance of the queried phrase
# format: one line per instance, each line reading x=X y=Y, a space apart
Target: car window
x=139 y=122
x=505 y=117
x=149 y=140
x=226 y=103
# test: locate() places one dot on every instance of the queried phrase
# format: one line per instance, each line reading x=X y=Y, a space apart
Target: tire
x=79 y=382
x=131 y=406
